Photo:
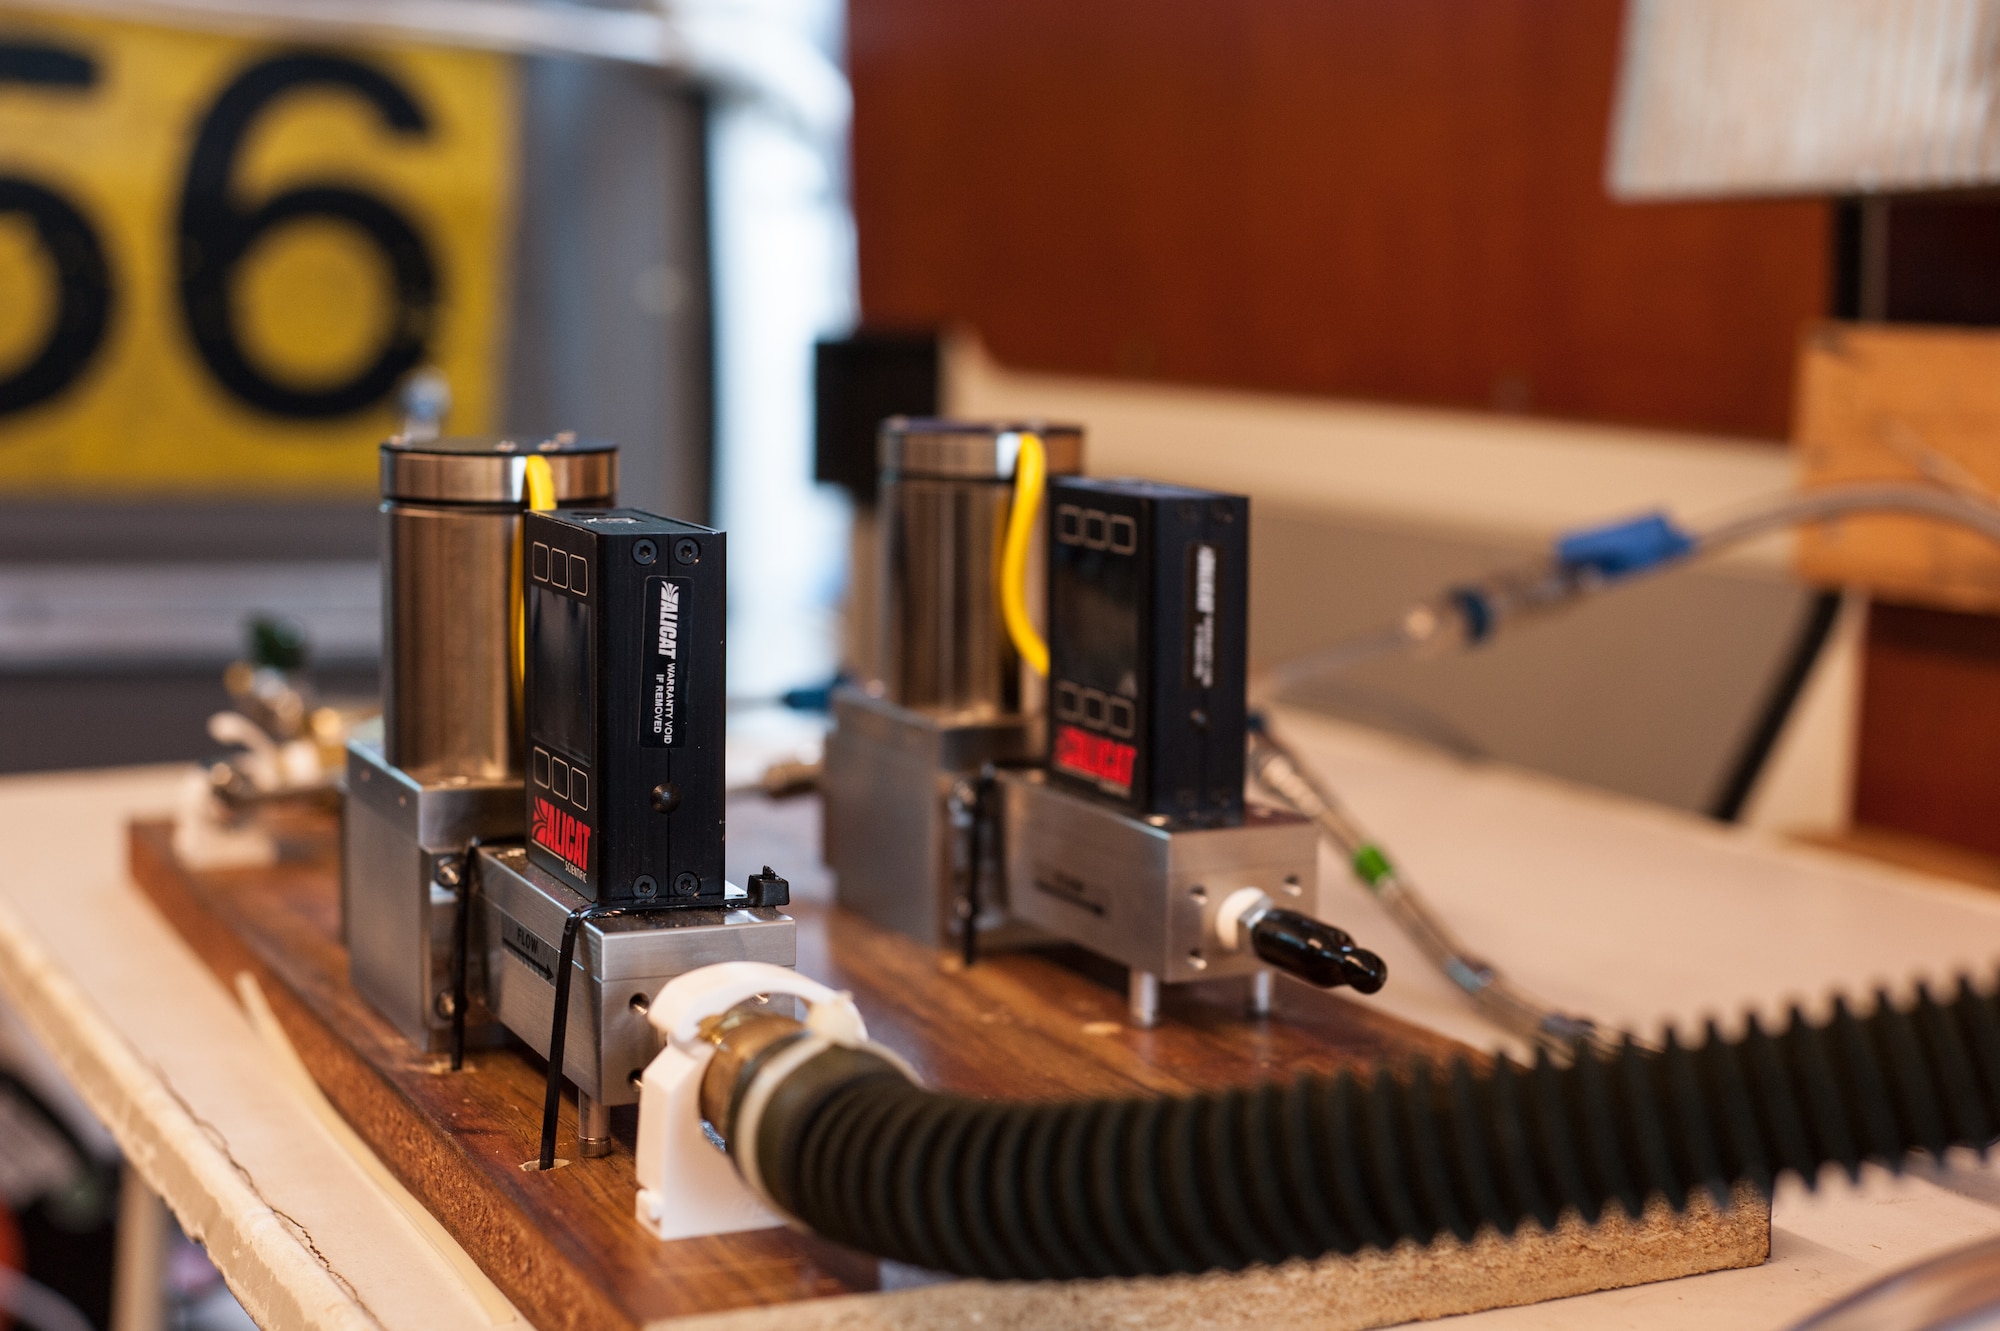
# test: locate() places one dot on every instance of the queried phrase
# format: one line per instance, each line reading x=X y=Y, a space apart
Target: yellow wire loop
x=540 y=483
x=1030 y=467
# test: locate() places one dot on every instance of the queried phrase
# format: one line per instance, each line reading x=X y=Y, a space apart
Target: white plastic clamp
x=687 y=1185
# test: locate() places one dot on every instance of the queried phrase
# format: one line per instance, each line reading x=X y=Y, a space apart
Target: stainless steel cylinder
x=947 y=490
x=451 y=529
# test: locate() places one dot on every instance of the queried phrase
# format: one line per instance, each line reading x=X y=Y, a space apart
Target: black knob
x=1315 y=952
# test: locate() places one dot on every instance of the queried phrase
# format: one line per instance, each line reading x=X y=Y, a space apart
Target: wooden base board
x=565 y=1248
x=1369 y=1289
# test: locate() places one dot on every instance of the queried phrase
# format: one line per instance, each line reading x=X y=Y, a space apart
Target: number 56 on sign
x=219 y=257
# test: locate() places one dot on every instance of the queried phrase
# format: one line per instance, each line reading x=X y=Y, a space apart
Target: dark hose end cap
x=1316 y=952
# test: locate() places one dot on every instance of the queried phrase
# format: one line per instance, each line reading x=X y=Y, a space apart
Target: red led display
x=1094 y=756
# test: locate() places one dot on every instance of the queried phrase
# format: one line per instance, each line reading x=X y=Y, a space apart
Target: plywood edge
x=1369 y=1289
x=272 y=1270
x=422 y=1155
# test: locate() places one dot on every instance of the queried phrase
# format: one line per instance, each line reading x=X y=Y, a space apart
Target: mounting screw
x=644 y=552
x=687 y=550
x=687 y=885
x=450 y=871
x=443 y=1004
x=644 y=887
x=1198 y=892
x=666 y=797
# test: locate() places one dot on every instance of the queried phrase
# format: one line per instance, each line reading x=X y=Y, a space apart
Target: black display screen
x=559 y=631
x=1095 y=616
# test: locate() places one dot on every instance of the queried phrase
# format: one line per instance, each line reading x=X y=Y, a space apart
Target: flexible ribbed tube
x=1334 y=1164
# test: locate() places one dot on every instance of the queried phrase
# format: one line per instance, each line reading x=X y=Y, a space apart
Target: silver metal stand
x=1142 y=998
x=593 y=1127
x=1261 y=986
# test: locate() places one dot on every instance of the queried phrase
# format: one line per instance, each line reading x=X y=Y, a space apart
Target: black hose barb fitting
x=844 y=1142
x=1316 y=952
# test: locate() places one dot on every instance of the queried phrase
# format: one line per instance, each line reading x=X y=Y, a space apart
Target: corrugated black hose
x=848 y=1145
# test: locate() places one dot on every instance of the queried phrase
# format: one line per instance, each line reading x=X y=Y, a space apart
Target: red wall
x=1397 y=199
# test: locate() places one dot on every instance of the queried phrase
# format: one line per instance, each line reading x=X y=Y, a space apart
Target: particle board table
x=1625 y=910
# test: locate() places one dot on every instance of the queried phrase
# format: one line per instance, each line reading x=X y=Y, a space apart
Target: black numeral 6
x=216 y=229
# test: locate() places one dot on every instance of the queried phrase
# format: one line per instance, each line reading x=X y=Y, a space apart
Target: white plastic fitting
x=687 y=1185
x=1237 y=915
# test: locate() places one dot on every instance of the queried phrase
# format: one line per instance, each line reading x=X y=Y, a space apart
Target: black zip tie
x=559 y=1023
x=980 y=836
x=559 y=1031
x=461 y=947
x=985 y=841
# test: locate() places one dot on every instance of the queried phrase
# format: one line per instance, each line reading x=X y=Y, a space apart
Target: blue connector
x=1475 y=611
x=1620 y=549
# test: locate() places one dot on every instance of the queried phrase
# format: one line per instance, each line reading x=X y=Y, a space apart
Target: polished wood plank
x=1047 y=1023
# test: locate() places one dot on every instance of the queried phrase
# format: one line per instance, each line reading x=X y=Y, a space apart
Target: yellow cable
x=540 y=483
x=1029 y=469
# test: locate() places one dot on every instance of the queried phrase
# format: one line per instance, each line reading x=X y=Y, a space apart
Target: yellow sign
x=220 y=257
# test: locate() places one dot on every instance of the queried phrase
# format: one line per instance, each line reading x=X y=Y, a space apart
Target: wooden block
x=1900 y=403
x=564 y=1246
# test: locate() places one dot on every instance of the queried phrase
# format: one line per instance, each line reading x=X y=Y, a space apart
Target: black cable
x=461 y=947
x=849 y=1146
x=982 y=836
x=975 y=847
x=559 y=1019
x=559 y=1031
x=1777 y=708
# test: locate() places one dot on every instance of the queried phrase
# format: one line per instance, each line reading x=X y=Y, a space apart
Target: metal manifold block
x=1153 y=897
x=619 y=963
x=901 y=787
x=402 y=867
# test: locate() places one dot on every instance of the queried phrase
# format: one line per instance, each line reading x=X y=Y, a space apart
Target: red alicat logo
x=561 y=832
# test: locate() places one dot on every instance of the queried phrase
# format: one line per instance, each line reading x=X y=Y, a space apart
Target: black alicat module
x=624 y=638
x=1148 y=585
